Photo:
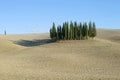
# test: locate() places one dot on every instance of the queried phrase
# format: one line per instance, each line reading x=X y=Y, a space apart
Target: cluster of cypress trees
x=73 y=31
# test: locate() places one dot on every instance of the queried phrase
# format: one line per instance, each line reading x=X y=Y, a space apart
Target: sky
x=37 y=16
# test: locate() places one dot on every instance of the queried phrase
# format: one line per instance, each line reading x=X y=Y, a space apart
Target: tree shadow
x=31 y=43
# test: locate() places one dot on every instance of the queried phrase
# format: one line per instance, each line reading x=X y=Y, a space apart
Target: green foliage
x=54 y=31
x=51 y=33
x=58 y=32
x=5 y=32
x=63 y=31
x=73 y=31
x=83 y=30
x=90 y=29
x=94 y=32
x=66 y=29
x=80 y=31
x=86 y=30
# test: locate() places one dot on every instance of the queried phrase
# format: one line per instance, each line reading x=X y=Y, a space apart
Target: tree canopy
x=73 y=31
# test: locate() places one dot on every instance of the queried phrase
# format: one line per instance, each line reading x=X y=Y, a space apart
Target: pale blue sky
x=37 y=16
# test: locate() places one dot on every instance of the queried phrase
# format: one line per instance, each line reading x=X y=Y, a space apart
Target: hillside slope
x=64 y=60
x=6 y=46
x=109 y=34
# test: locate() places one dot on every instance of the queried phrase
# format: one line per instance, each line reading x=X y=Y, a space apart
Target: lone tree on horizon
x=5 y=33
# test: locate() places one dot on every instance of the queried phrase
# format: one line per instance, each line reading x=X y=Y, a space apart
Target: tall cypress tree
x=66 y=33
x=63 y=31
x=71 y=30
x=75 y=30
x=67 y=25
x=90 y=29
x=83 y=30
x=54 y=31
x=60 y=33
x=86 y=30
x=94 y=30
x=80 y=30
x=51 y=34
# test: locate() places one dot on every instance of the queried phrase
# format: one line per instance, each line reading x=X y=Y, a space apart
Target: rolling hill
x=94 y=59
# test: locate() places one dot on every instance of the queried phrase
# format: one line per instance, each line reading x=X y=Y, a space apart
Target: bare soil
x=31 y=57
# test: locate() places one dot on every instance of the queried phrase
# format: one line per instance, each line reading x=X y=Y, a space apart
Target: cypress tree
x=80 y=30
x=71 y=30
x=63 y=31
x=75 y=30
x=94 y=30
x=5 y=32
x=83 y=30
x=67 y=24
x=86 y=30
x=51 y=36
x=90 y=29
x=66 y=33
x=60 y=33
x=54 y=31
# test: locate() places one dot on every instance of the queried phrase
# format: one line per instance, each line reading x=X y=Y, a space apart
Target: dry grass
x=109 y=34
x=97 y=59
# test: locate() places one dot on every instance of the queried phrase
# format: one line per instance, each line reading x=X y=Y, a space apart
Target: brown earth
x=32 y=57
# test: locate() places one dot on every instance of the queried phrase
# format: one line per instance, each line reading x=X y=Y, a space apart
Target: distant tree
x=54 y=31
x=75 y=30
x=71 y=30
x=80 y=31
x=90 y=29
x=86 y=30
x=63 y=31
x=94 y=30
x=51 y=34
x=67 y=24
x=66 y=31
x=83 y=30
x=5 y=32
x=58 y=32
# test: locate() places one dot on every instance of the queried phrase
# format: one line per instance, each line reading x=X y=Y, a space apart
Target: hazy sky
x=37 y=16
